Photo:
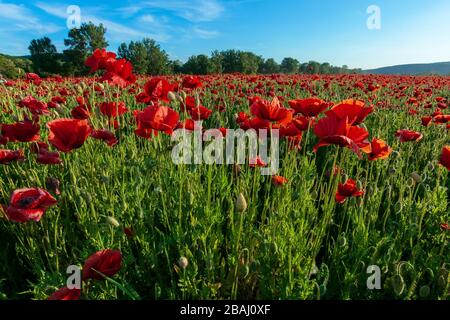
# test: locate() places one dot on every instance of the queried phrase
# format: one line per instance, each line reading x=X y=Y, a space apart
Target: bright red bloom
x=408 y=135
x=380 y=150
x=426 y=121
x=65 y=294
x=445 y=157
x=354 y=110
x=158 y=89
x=80 y=112
x=271 y=112
x=24 y=131
x=158 y=118
x=47 y=157
x=106 y=136
x=34 y=106
x=302 y=123
x=441 y=118
x=99 y=59
x=444 y=226
x=257 y=162
x=191 y=82
x=200 y=113
x=113 y=109
x=68 y=134
x=120 y=73
x=8 y=156
x=331 y=130
x=310 y=107
x=108 y=262
x=29 y=204
x=279 y=180
x=346 y=190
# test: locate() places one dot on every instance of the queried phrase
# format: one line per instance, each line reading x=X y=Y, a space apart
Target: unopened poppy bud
x=395 y=154
x=398 y=284
x=183 y=262
x=183 y=95
x=416 y=177
x=424 y=291
x=112 y=221
x=52 y=185
x=359 y=185
x=172 y=96
x=241 y=203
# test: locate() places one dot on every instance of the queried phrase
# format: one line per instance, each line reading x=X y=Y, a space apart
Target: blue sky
x=322 y=30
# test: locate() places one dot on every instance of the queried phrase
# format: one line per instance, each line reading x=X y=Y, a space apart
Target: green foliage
x=82 y=42
x=44 y=56
x=289 y=65
x=146 y=56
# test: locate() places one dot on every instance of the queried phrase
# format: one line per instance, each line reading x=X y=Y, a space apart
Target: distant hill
x=438 y=68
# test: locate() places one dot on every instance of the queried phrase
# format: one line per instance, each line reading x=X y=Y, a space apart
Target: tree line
x=149 y=58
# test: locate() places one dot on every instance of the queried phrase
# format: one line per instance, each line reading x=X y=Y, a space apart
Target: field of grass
x=183 y=231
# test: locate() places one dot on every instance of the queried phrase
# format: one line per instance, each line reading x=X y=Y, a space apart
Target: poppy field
x=87 y=180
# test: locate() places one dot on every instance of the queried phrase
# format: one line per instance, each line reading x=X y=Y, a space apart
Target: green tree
x=158 y=59
x=216 y=62
x=197 y=65
x=44 y=56
x=290 y=65
x=82 y=42
x=270 y=66
x=7 y=68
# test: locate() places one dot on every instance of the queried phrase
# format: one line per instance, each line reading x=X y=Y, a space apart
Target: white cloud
x=192 y=10
x=205 y=34
x=19 y=18
x=115 y=31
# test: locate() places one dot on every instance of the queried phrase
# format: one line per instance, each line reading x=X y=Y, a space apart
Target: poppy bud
x=398 y=284
x=396 y=154
x=172 y=96
x=183 y=95
x=424 y=291
x=241 y=203
x=416 y=177
x=183 y=262
x=52 y=185
x=112 y=221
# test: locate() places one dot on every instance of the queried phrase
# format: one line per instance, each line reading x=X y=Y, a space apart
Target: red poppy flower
x=8 y=156
x=200 y=113
x=80 y=112
x=331 y=130
x=426 y=121
x=106 y=136
x=120 y=73
x=47 y=157
x=113 y=109
x=302 y=123
x=310 y=107
x=24 y=131
x=271 y=111
x=444 y=226
x=158 y=118
x=108 y=262
x=191 y=82
x=279 y=180
x=445 y=157
x=257 y=162
x=65 y=294
x=99 y=59
x=346 y=190
x=158 y=89
x=408 y=135
x=441 y=118
x=354 y=110
x=34 y=106
x=29 y=204
x=380 y=150
x=68 y=134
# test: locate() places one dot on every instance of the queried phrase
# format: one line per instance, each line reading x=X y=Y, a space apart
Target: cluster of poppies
x=103 y=263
